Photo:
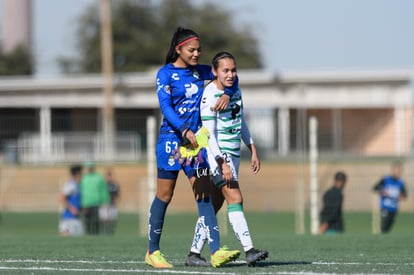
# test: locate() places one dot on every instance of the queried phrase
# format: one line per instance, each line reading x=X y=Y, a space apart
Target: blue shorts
x=166 y=152
x=168 y=159
x=197 y=166
x=167 y=174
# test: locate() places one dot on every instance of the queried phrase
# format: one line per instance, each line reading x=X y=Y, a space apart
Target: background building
x=359 y=114
x=16 y=24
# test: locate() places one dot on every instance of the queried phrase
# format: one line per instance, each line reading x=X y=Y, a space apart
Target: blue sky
x=332 y=34
x=294 y=35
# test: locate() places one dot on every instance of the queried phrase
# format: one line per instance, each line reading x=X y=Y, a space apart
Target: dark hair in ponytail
x=220 y=56
x=180 y=35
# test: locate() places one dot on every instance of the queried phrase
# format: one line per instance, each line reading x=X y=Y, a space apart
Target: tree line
x=142 y=31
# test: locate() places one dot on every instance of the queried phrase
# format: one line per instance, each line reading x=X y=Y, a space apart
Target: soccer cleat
x=223 y=256
x=197 y=260
x=255 y=255
x=157 y=260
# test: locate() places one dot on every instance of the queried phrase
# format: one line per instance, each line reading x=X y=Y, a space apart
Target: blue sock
x=206 y=211
x=156 y=222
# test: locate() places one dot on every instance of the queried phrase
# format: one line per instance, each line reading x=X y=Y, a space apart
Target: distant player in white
x=227 y=128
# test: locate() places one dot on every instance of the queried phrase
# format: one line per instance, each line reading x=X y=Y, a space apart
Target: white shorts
x=108 y=213
x=215 y=170
x=71 y=227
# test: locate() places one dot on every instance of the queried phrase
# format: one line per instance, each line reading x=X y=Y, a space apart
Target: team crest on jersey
x=196 y=74
x=190 y=90
x=167 y=89
x=171 y=161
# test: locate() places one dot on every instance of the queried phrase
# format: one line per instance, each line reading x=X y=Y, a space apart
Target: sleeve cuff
x=229 y=93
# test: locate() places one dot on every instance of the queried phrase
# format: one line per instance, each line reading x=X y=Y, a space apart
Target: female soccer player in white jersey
x=180 y=85
x=227 y=128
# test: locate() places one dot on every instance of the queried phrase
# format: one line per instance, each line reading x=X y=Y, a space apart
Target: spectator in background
x=331 y=214
x=1 y=209
x=1 y=206
x=109 y=214
x=70 y=223
x=95 y=193
x=391 y=189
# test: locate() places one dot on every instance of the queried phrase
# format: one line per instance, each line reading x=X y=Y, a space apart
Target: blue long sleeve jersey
x=71 y=190
x=179 y=94
x=391 y=190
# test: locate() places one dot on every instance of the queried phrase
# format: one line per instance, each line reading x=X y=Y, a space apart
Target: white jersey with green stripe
x=225 y=126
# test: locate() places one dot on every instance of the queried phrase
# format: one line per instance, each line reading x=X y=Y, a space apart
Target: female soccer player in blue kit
x=180 y=85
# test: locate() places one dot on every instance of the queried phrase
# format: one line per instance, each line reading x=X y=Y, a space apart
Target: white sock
x=200 y=236
x=240 y=228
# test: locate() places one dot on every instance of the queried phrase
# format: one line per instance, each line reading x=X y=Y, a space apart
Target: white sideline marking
x=110 y=270
x=142 y=262
x=359 y=263
x=170 y=271
x=67 y=261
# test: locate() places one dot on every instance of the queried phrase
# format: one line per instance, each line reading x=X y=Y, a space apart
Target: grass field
x=29 y=245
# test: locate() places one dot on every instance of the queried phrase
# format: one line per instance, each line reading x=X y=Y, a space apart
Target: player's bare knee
x=165 y=196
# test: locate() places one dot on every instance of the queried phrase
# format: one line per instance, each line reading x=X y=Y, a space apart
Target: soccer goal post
x=375 y=214
x=147 y=189
x=302 y=139
x=313 y=174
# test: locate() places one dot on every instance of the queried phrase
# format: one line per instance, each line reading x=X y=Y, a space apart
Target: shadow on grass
x=269 y=263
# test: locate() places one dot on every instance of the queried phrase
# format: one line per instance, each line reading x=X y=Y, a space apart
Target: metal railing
x=74 y=147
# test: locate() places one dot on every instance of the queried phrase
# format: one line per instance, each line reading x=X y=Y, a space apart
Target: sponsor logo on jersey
x=235 y=109
x=190 y=90
x=189 y=101
x=183 y=110
x=159 y=85
x=175 y=76
x=246 y=233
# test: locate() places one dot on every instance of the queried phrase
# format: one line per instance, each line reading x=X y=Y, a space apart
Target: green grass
x=29 y=245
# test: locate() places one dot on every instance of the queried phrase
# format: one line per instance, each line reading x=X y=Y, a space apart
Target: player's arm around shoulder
x=208 y=101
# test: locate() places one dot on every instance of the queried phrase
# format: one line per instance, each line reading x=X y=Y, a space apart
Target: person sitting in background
x=331 y=214
x=70 y=223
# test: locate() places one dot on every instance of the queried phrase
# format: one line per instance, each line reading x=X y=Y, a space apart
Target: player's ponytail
x=179 y=38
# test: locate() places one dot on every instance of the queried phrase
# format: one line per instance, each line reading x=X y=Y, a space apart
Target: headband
x=187 y=40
